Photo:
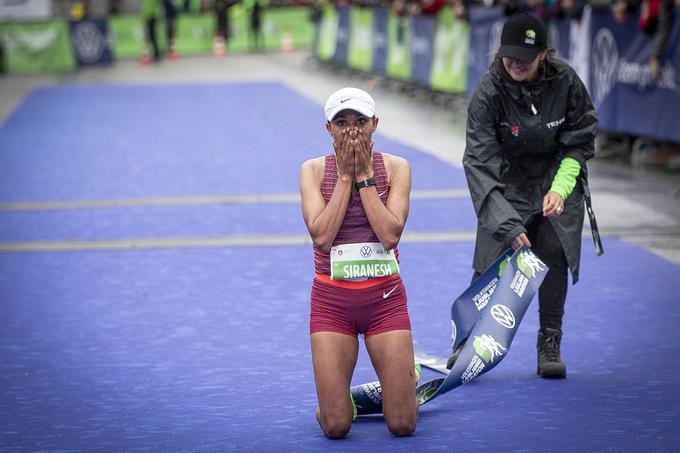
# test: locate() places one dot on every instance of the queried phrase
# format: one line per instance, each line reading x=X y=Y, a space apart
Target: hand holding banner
x=500 y=305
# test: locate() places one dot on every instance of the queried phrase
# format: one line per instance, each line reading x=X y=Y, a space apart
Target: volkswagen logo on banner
x=605 y=58
x=89 y=38
x=503 y=316
x=366 y=251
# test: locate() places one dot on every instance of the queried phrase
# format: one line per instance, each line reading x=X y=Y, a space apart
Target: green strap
x=565 y=179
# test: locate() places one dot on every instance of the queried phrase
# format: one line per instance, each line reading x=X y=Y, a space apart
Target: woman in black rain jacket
x=531 y=129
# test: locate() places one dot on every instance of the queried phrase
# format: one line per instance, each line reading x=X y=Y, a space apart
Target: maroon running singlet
x=371 y=306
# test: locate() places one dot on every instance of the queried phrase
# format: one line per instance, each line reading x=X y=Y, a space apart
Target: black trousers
x=151 y=36
x=222 y=13
x=553 y=291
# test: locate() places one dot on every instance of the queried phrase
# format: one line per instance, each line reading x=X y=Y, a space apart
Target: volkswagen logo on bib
x=366 y=251
x=503 y=316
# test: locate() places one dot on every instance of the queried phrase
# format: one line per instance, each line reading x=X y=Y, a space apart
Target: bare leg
x=392 y=357
x=334 y=356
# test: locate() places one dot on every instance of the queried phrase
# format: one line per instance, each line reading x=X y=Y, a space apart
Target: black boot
x=456 y=353
x=550 y=364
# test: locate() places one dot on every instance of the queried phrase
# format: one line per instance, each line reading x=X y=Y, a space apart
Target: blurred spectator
x=656 y=20
x=256 y=26
x=511 y=7
x=315 y=16
x=426 y=7
x=114 y=7
x=3 y=69
x=170 y=23
x=150 y=16
x=401 y=9
x=539 y=8
x=569 y=9
x=221 y=40
x=460 y=9
x=622 y=8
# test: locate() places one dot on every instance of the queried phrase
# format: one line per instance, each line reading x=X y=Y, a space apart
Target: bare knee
x=334 y=426
x=402 y=424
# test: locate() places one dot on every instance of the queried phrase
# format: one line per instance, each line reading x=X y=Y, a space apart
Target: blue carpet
x=208 y=349
x=201 y=221
x=102 y=142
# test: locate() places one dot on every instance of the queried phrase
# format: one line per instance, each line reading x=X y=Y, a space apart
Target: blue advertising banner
x=91 y=42
x=626 y=96
x=486 y=25
x=380 y=20
x=342 y=38
x=492 y=308
x=422 y=39
x=558 y=37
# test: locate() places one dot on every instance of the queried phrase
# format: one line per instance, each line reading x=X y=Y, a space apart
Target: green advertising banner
x=194 y=33
x=290 y=23
x=398 y=52
x=450 y=53
x=194 y=6
x=239 y=24
x=360 y=50
x=127 y=36
x=37 y=47
x=328 y=33
x=282 y=29
x=288 y=28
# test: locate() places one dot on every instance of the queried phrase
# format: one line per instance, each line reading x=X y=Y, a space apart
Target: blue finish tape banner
x=488 y=314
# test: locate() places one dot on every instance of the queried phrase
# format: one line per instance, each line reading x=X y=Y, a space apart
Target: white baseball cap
x=349 y=99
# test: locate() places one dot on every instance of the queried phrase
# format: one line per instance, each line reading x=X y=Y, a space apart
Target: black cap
x=523 y=37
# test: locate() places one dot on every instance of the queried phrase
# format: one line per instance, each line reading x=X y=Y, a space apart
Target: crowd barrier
x=60 y=45
x=447 y=54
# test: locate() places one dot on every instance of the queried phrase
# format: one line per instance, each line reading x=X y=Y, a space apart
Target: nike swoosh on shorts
x=387 y=294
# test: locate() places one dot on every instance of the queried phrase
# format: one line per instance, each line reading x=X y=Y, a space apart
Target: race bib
x=362 y=261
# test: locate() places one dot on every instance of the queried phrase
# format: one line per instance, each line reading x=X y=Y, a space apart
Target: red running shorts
x=368 y=307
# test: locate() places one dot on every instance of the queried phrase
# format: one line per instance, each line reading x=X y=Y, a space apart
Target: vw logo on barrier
x=503 y=316
x=366 y=251
x=605 y=58
x=88 y=41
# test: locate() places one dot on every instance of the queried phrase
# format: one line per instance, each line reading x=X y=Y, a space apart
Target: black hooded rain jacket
x=517 y=135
